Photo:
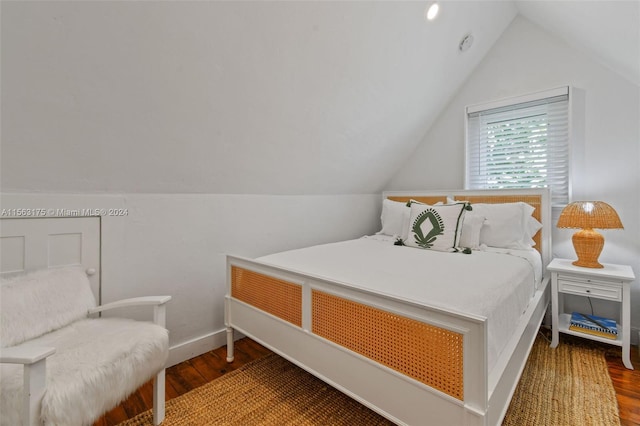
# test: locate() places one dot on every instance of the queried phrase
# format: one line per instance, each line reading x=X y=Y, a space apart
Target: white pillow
x=507 y=225
x=533 y=226
x=435 y=227
x=394 y=217
x=471 y=227
x=470 y=236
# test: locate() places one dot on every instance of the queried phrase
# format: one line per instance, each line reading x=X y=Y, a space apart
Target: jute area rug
x=569 y=385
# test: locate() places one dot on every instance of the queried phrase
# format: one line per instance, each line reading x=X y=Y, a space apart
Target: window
x=520 y=143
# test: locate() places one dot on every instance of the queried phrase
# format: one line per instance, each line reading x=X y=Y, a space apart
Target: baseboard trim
x=194 y=347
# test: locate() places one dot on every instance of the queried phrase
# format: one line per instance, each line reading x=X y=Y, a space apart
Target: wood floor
x=195 y=372
x=627 y=385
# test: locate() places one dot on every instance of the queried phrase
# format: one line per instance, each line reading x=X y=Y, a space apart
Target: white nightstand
x=613 y=282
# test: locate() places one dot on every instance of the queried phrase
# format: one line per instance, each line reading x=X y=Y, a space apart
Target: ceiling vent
x=465 y=43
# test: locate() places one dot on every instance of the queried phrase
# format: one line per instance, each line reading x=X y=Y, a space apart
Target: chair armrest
x=34 y=377
x=25 y=354
x=134 y=301
x=158 y=303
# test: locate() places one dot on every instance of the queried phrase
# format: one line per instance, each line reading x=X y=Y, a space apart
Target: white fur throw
x=97 y=364
x=38 y=302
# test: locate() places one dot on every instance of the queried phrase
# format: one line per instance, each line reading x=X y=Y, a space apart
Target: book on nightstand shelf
x=592 y=324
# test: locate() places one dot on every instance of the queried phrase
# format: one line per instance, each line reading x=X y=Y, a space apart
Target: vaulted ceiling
x=251 y=97
x=608 y=30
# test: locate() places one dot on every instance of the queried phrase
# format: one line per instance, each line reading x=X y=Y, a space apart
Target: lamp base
x=588 y=245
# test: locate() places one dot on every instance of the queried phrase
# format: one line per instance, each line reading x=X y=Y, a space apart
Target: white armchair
x=59 y=366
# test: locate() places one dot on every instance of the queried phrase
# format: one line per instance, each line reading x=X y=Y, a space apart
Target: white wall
x=226 y=97
x=176 y=245
x=605 y=161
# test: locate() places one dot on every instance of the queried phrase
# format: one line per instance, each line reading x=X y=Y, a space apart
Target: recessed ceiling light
x=432 y=11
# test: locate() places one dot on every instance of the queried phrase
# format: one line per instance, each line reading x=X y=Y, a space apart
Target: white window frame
x=487 y=108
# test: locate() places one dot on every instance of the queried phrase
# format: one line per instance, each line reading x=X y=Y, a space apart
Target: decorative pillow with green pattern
x=436 y=227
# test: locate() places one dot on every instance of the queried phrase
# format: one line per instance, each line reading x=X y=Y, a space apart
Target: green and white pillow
x=435 y=227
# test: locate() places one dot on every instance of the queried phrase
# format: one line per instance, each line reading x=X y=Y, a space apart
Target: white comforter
x=495 y=284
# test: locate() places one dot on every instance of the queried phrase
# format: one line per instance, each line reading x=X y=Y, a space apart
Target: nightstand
x=613 y=282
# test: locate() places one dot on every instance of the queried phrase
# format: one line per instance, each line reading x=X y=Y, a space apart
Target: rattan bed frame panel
x=429 y=354
x=275 y=296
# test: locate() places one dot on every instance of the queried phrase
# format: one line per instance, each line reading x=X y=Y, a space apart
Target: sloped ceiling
x=608 y=30
x=240 y=97
x=227 y=97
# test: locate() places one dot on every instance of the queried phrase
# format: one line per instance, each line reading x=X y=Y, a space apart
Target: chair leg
x=33 y=387
x=158 y=398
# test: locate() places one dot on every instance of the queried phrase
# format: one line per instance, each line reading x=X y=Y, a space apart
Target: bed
x=414 y=347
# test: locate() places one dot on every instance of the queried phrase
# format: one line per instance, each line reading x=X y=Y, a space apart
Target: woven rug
x=569 y=385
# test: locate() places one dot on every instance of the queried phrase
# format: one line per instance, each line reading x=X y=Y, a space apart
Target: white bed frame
x=399 y=398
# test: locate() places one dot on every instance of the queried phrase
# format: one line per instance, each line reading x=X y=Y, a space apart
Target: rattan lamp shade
x=587 y=215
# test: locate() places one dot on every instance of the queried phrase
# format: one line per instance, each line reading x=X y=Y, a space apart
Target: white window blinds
x=522 y=143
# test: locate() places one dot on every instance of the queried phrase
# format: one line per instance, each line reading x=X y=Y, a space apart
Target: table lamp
x=587 y=215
